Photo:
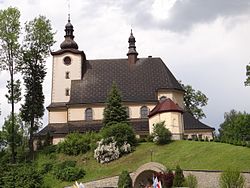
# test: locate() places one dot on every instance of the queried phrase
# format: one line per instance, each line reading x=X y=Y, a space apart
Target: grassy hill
x=188 y=154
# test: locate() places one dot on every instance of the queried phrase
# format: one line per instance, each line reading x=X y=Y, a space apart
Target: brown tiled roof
x=191 y=123
x=165 y=106
x=57 y=105
x=137 y=82
x=139 y=125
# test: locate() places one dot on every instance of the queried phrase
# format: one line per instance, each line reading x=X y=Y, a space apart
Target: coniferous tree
x=114 y=112
x=124 y=180
x=178 y=177
x=37 y=41
x=9 y=55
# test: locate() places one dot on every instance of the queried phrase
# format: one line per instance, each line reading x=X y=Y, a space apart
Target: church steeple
x=132 y=53
x=69 y=37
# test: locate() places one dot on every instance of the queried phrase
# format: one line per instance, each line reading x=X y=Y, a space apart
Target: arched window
x=88 y=114
x=163 y=98
x=144 y=112
x=127 y=111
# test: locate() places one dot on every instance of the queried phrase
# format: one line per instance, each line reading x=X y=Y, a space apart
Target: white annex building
x=150 y=93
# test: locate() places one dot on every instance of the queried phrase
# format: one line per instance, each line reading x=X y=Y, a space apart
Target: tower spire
x=69 y=37
x=132 y=53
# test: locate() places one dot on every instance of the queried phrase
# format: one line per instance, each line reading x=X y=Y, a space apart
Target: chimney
x=132 y=53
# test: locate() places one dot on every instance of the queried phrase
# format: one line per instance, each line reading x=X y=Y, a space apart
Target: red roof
x=165 y=106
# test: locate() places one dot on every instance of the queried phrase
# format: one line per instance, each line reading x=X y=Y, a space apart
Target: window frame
x=143 y=110
x=89 y=114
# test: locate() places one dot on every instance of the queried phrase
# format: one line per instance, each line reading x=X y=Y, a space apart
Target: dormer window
x=67 y=60
x=67 y=92
x=163 y=98
x=67 y=75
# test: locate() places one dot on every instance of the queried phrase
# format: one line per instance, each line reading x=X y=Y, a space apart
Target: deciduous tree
x=37 y=42
x=9 y=55
x=236 y=127
x=194 y=101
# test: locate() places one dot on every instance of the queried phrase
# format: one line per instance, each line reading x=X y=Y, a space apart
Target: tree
x=161 y=134
x=247 y=82
x=37 y=41
x=124 y=180
x=236 y=127
x=194 y=101
x=6 y=132
x=9 y=55
x=114 y=112
x=178 y=177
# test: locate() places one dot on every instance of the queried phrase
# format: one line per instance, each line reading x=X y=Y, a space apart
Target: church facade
x=149 y=91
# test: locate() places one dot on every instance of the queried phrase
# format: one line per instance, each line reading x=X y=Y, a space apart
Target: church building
x=149 y=91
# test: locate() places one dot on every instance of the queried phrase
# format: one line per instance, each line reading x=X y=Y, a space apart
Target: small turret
x=132 y=53
x=69 y=37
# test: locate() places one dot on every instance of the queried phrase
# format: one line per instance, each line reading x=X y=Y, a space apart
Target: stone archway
x=143 y=175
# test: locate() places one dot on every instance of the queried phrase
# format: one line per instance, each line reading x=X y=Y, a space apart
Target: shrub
x=161 y=134
x=46 y=167
x=106 y=151
x=124 y=180
x=178 y=177
x=49 y=149
x=20 y=175
x=232 y=179
x=191 y=181
x=76 y=143
x=206 y=139
x=67 y=171
x=121 y=132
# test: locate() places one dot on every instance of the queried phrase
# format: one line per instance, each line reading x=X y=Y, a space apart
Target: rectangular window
x=67 y=92
x=67 y=75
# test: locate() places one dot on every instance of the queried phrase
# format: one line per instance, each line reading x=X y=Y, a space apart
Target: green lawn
x=188 y=154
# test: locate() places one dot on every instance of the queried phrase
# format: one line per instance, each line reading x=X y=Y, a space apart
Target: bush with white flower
x=106 y=151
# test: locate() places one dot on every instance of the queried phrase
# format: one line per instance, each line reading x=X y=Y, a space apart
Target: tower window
x=163 y=98
x=67 y=60
x=88 y=114
x=67 y=75
x=67 y=92
x=144 y=112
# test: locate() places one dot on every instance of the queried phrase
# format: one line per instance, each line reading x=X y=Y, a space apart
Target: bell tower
x=67 y=66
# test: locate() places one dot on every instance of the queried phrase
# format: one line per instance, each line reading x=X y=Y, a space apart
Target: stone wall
x=206 y=179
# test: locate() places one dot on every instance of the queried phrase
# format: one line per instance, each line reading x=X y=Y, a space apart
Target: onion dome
x=69 y=37
x=132 y=47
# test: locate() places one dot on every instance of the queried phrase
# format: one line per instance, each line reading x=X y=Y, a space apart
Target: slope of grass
x=190 y=155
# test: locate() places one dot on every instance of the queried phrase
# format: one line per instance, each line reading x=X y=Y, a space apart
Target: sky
x=205 y=43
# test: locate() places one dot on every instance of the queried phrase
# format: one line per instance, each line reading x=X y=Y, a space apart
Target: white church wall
x=58 y=116
x=199 y=133
x=78 y=114
x=175 y=96
x=173 y=121
x=59 y=81
x=135 y=110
